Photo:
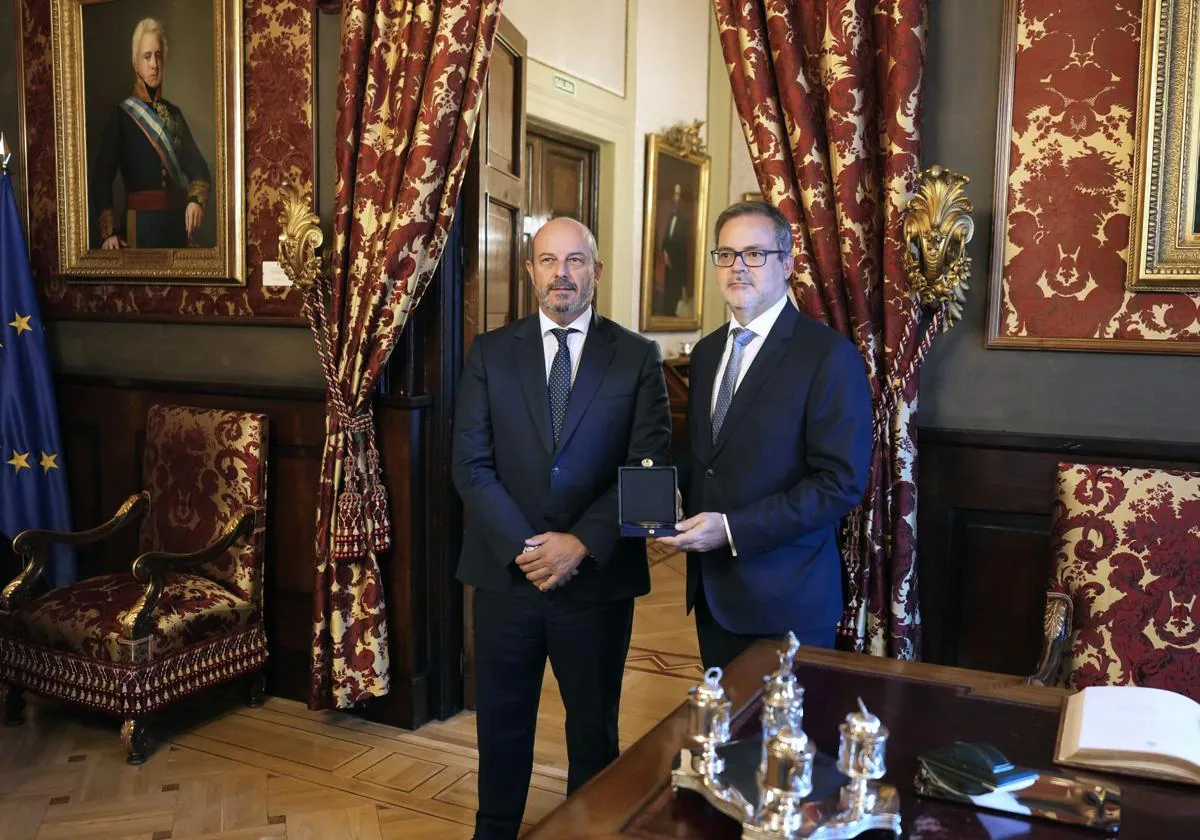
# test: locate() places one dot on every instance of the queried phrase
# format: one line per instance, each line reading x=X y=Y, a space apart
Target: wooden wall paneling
x=983 y=524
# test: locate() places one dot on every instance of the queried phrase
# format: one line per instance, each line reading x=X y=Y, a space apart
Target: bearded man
x=549 y=408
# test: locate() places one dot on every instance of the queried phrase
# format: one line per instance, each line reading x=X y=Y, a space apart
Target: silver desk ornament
x=784 y=804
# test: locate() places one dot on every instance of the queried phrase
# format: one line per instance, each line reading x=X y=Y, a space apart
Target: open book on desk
x=1131 y=730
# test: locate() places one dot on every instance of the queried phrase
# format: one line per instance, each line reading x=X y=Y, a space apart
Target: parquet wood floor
x=227 y=772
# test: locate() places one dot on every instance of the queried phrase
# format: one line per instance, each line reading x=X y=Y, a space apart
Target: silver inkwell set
x=777 y=785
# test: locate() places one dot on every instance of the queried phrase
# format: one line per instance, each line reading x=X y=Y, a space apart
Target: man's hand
x=192 y=217
x=702 y=532
x=113 y=243
x=554 y=560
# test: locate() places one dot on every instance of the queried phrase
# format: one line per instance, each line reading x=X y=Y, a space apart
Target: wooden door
x=562 y=182
x=493 y=204
x=494 y=193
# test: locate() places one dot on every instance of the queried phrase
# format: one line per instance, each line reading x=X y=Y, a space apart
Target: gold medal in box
x=646 y=500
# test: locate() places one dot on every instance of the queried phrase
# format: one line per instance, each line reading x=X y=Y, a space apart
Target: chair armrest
x=31 y=546
x=149 y=569
x=1056 y=627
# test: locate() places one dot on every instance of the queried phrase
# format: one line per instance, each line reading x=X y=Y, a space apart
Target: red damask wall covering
x=1070 y=174
x=279 y=146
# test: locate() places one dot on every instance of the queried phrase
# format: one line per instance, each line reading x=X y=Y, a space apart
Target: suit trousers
x=587 y=644
x=719 y=647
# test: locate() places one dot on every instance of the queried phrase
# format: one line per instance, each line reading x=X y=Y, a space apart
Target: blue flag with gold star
x=33 y=486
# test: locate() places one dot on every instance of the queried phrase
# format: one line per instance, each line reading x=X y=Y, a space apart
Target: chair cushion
x=1127 y=551
x=86 y=617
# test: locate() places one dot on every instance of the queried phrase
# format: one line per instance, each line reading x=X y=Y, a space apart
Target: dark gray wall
x=964 y=385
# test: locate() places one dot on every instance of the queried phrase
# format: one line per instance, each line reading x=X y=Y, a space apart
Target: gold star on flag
x=48 y=461
x=22 y=323
x=19 y=461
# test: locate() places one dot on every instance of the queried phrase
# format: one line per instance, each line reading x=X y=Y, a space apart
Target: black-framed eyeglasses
x=751 y=257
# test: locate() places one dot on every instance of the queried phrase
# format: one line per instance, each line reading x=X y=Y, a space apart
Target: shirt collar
x=761 y=325
x=142 y=92
x=581 y=323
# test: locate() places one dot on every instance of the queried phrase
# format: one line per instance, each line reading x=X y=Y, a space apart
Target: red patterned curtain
x=829 y=92
x=410 y=80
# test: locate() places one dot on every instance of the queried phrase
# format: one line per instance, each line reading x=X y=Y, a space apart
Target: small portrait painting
x=674 y=236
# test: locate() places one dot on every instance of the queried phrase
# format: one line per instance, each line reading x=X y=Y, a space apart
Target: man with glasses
x=779 y=425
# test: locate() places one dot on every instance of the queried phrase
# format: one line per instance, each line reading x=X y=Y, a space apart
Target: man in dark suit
x=549 y=408
x=779 y=421
x=673 y=251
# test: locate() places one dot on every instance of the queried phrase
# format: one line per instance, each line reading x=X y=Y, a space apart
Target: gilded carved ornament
x=937 y=228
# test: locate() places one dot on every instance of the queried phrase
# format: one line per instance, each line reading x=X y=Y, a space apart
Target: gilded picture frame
x=674 y=236
x=106 y=133
x=1164 y=232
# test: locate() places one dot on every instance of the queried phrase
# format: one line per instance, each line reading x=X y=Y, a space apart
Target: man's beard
x=580 y=303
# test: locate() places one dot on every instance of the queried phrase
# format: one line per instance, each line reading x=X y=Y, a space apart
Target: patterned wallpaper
x=279 y=146
x=1070 y=176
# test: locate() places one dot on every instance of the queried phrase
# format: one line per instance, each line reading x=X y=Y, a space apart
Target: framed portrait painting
x=1164 y=234
x=673 y=236
x=148 y=112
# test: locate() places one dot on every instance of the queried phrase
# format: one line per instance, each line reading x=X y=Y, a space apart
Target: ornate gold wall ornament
x=300 y=239
x=937 y=228
x=686 y=137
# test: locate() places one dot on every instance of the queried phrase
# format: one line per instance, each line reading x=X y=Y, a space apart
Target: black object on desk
x=646 y=500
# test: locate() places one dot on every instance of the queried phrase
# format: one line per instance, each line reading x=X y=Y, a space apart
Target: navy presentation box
x=646 y=500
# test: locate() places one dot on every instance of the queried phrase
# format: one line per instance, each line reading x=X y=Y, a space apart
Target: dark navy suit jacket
x=791 y=460
x=514 y=483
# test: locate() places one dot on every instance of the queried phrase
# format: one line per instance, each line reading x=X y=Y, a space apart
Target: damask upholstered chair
x=1123 y=606
x=187 y=614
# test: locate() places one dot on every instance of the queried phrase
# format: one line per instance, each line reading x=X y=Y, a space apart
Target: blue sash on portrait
x=148 y=121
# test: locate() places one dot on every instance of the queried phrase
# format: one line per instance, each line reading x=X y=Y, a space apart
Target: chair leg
x=256 y=689
x=14 y=706
x=136 y=739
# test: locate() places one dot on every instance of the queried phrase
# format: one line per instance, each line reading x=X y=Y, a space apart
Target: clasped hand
x=553 y=560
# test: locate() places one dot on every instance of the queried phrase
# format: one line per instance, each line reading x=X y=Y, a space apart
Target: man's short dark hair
x=783 y=228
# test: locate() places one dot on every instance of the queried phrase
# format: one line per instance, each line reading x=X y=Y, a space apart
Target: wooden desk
x=923 y=705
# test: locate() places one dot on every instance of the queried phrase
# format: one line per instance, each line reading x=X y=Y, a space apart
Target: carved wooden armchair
x=188 y=613
x=1122 y=608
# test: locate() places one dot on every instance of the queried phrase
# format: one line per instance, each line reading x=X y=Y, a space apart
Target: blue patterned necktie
x=741 y=337
x=559 y=383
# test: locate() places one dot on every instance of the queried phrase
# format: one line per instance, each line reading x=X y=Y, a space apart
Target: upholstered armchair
x=1123 y=604
x=187 y=614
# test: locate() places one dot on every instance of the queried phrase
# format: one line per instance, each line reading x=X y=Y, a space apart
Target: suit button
x=554 y=471
x=709 y=473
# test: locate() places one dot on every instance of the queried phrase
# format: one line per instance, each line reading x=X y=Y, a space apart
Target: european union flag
x=33 y=486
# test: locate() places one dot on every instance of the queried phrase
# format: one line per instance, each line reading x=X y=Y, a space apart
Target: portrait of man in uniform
x=147 y=140
x=150 y=165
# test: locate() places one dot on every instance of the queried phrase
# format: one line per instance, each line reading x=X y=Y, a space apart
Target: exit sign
x=564 y=84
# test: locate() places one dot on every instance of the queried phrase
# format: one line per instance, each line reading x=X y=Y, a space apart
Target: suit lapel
x=530 y=358
x=598 y=353
x=703 y=380
x=774 y=346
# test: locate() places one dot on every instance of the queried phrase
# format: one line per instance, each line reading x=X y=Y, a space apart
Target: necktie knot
x=741 y=336
x=561 y=334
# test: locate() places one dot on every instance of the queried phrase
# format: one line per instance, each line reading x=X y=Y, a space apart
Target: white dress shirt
x=574 y=340
x=760 y=326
